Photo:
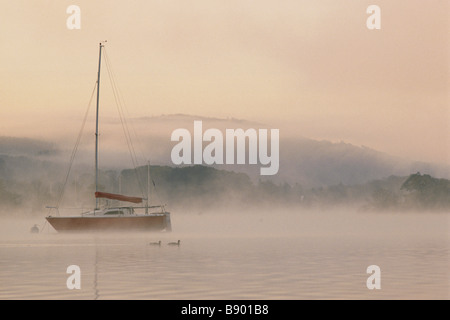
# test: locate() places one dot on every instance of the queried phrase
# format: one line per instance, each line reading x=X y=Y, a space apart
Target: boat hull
x=153 y=222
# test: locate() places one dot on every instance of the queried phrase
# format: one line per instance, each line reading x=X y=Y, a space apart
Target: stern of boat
x=168 y=222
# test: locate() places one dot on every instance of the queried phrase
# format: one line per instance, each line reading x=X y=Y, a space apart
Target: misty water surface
x=271 y=255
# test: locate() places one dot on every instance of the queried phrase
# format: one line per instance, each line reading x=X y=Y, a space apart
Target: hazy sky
x=308 y=67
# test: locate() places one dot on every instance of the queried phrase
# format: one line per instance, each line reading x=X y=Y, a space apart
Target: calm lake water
x=287 y=255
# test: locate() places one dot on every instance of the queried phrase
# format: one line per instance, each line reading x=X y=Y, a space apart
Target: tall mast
x=96 y=124
x=148 y=187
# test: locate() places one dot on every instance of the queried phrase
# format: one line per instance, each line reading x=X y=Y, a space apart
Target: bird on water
x=34 y=229
x=155 y=243
x=174 y=243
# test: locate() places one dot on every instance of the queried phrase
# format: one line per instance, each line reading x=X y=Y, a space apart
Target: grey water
x=257 y=255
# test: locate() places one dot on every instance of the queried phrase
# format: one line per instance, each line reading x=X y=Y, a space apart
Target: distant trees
x=426 y=192
x=384 y=199
x=192 y=187
x=416 y=192
x=197 y=188
x=8 y=199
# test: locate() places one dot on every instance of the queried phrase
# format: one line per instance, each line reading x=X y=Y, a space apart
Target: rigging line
x=121 y=115
x=43 y=227
x=123 y=121
x=123 y=106
x=154 y=186
x=121 y=103
x=75 y=148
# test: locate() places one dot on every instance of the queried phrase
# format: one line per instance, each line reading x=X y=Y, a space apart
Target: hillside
x=311 y=163
x=206 y=189
x=311 y=172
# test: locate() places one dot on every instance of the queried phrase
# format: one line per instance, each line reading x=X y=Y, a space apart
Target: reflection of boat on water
x=125 y=218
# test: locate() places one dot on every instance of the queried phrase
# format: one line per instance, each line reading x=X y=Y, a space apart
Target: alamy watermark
x=74 y=20
x=74 y=280
x=374 y=20
x=374 y=281
x=236 y=149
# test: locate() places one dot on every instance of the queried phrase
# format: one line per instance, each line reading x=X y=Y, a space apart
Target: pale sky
x=311 y=68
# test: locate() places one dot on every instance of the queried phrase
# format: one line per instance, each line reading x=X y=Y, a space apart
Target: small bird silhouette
x=155 y=243
x=174 y=243
x=34 y=229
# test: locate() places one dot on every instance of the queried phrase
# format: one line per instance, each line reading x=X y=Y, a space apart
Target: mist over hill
x=311 y=163
x=200 y=189
x=19 y=146
x=311 y=172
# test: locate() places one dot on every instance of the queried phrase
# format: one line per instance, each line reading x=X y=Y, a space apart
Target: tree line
x=201 y=188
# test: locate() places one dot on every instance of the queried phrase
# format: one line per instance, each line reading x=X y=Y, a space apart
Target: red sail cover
x=117 y=197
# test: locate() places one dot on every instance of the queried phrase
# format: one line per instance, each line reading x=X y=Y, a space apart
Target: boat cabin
x=121 y=211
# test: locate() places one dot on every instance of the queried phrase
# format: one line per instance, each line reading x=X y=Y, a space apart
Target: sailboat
x=117 y=218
